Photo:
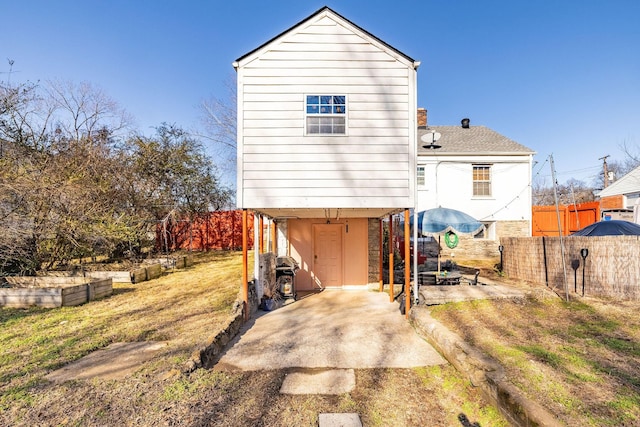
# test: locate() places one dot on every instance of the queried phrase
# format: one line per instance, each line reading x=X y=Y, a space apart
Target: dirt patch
x=381 y=397
x=114 y=362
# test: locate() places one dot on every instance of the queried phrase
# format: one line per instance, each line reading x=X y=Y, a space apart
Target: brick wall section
x=513 y=228
x=612 y=202
x=374 y=250
x=422 y=117
x=470 y=248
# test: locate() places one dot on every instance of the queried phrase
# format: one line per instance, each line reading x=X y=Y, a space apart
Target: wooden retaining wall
x=612 y=267
x=53 y=292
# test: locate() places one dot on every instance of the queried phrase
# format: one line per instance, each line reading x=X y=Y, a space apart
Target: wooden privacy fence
x=612 y=267
x=214 y=230
x=544 y=219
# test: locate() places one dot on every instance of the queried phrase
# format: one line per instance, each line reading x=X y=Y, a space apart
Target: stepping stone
x=333 y=381
x=339 y=420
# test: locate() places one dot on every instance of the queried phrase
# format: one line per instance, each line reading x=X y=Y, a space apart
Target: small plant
x=272 y=298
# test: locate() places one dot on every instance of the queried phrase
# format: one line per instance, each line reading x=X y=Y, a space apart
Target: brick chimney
x=422 y=118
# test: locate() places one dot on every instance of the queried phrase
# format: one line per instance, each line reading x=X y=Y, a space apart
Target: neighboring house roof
x=473 y=140
x=328 y=11
x=630 y=183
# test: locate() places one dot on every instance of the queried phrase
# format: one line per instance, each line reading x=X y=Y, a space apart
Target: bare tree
x=219 y=119
x=633 y=155
x=71 y=185
x=56 y=175
x=573 y=191
x=82 y=109
x=24 y=116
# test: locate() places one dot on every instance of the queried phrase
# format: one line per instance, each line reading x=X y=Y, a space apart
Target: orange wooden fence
x=544 y=219
x=212 y=231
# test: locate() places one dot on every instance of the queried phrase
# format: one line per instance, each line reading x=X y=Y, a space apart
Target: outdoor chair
x=474 y=281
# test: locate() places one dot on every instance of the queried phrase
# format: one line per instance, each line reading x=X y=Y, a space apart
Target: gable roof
x=630 y=183
x=326 y=11
x=472 y=140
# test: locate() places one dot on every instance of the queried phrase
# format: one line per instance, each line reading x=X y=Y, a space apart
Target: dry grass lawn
x=579 y=359
x=185 y=308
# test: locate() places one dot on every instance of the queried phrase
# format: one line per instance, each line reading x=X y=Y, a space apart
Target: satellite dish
x=430 y=139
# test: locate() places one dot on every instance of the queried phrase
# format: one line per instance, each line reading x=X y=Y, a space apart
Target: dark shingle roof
x=472 y=140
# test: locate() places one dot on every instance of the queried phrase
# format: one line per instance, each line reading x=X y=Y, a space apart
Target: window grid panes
x=482 y=180
x=420 y=176
x=326 y=114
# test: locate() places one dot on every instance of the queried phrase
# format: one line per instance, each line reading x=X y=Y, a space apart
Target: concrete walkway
x=333 y=329
x=485 y=289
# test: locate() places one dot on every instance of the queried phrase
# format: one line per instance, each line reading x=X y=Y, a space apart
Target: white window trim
x=424 y=176
x=490 y=181
x=489 y=231
x=346 y=116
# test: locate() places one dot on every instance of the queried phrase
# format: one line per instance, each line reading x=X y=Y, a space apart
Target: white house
x=327 y=144
x=621 y=200
x=480 y=172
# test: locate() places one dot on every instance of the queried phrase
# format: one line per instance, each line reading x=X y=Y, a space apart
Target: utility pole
x=605 y=170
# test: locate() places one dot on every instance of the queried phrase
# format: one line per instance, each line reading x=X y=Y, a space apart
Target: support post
x=245 y=266
x=416 y=297
x=407 y=264
x=274 y=242
x=381 y=276
x=390 y=258
x=261 y=235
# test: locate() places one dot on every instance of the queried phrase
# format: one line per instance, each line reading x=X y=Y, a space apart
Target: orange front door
x=327 y=255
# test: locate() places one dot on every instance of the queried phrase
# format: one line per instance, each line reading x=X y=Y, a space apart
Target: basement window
x=487 y=233
x=326 y=114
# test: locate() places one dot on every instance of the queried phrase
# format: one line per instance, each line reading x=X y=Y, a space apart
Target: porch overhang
x=327 y=213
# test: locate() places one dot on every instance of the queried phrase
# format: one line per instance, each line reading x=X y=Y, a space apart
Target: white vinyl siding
x=449 y=183
x=372 y=165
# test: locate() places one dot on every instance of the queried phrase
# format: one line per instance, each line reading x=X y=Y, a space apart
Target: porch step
x=339 y=420
x=331 y=381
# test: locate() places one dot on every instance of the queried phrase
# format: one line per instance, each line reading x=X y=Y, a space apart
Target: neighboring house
x=480 y=172
x=621 y=199
x=327 y=144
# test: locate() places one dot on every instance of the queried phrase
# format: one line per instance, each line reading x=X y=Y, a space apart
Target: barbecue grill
x=286 y=268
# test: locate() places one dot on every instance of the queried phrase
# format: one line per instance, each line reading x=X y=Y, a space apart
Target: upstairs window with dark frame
x=482 y=180
x=326 y=114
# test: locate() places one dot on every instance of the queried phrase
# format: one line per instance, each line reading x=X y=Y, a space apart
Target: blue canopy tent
x=446 y=222
x=440 y=221
x=610 y=228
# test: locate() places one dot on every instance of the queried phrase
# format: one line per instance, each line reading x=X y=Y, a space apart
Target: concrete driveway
x=332 y=329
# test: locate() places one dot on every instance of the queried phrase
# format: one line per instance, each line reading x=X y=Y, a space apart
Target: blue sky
x=561 y=77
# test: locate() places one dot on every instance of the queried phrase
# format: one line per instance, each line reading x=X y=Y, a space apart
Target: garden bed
x=52 y=292
x=132 y=273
